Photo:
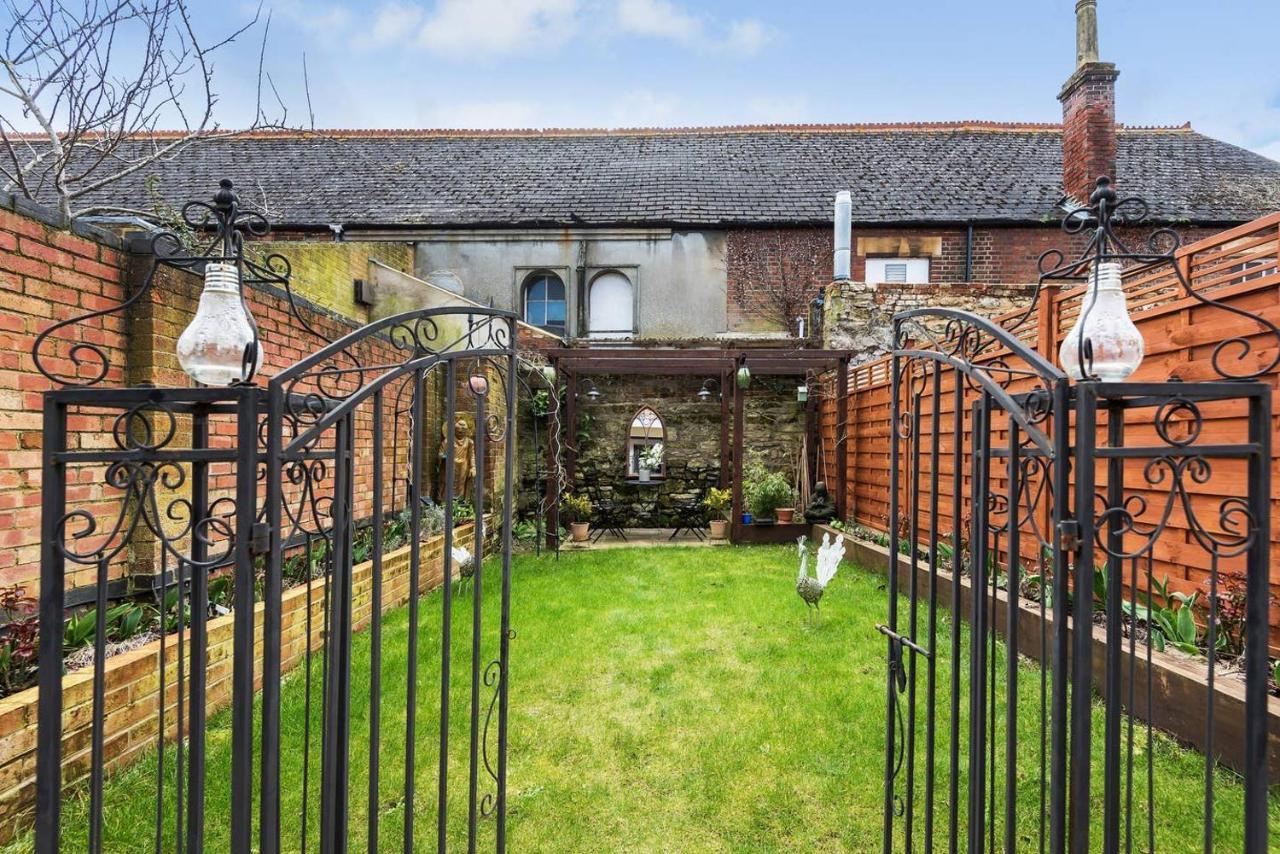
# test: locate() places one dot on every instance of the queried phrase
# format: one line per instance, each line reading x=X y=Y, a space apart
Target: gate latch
x=1069 y=529
x=260 y=539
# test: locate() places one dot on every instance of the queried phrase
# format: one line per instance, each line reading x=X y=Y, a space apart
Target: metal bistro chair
x=607 y=518
x=691 y=512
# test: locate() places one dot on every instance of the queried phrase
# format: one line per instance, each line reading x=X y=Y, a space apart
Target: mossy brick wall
x=132 y=694
x=50 y=272
x=774 y=430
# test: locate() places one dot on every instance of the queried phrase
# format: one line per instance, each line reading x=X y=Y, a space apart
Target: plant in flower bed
x=765 y=491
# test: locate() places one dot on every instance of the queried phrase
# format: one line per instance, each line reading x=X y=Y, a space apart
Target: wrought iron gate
x=1025 y=505
x=292 y=494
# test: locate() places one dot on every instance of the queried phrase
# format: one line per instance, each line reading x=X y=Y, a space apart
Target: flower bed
x=1180 y=686
x=132 y=690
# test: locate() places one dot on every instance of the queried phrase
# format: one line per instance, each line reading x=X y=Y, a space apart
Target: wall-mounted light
x=709 y=387
x=588 y=388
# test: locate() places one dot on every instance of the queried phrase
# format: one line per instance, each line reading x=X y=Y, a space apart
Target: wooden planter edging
x=133 y=680
x=775 y=533
x=1178 y=688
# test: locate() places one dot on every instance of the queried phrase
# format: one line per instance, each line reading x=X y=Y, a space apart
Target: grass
x=661 y=699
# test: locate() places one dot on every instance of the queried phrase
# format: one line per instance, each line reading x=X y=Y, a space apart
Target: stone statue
x=821 y=507
x=464 y=461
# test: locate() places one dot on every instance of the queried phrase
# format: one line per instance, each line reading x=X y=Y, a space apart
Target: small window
x=646 y=431
x=544 y=304
x=611 y=306
x=908 y=271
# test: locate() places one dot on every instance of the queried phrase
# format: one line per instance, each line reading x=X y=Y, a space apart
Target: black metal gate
x=291 y=495
x=1024 y=506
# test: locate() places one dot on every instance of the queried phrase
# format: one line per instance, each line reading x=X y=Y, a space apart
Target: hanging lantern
x=802 y=393
x=479 y=385
x=744 y=377
x=1113 y=345
x=213 y=348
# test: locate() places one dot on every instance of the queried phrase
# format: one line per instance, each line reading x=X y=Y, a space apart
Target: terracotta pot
x=719 y=529
x=785 y=515
x=578 y=530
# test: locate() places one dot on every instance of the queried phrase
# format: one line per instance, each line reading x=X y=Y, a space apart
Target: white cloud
x=393 y=22
x=659 y=19
x=665 y=19
x=484 y=115
x=464 y=28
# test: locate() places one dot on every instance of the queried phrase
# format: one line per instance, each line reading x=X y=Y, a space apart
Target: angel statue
x=829 y=555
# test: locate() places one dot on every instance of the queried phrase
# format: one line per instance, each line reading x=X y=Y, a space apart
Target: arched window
x=544 y=301
x=647 y=430
x=611 y=306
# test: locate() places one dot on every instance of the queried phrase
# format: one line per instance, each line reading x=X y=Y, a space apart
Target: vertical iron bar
x=895 y=390
x=476 y=604
x=1257 y=593
x=99 y=710
x=242 y=631
x=931 y=690
x=199 y=637
x=415 y=589
x=337 y=731
x=272 y=595
x=1115 y=638
x=1061 y=632
x=957 y=556
x=908 y=821
x=1012 y=607
x=1082 y=618
x=52 y=599
x=504 y=654
x=446 y=615
x=978 y=627
x=375 y=624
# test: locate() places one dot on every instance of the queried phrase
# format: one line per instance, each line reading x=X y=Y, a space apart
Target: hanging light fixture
x=704 y=393
x=479 y=385
x=219 y=347
x=802 y=393
x=1104 y=344
x=743 y=377
x=592 y=393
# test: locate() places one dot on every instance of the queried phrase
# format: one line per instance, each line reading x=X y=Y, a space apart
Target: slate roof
x=701 y=176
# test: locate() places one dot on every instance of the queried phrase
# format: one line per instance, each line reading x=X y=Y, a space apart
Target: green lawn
x=661 y=700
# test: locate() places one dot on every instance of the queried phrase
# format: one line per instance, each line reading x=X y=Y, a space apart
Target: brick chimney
x=1088 y=111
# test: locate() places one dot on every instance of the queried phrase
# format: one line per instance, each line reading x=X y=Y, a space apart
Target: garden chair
x=607 y=516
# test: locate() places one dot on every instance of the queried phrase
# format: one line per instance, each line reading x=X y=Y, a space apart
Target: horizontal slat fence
x=1238 y=268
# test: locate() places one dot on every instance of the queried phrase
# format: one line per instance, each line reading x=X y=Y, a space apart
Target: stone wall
x=858 y=316
x=774 y=430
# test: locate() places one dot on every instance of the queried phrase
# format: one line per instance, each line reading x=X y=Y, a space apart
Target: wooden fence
x=1238 y=268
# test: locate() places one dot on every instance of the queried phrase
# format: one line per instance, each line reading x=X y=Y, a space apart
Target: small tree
x=85 y=89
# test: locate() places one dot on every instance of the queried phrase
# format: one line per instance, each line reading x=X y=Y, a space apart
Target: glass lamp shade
x=211 y=349
x=1115 y=344
x=744 y=377
x=802 y=394
x=479 y=385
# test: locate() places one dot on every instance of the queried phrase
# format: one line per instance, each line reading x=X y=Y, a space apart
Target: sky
x=627 y=63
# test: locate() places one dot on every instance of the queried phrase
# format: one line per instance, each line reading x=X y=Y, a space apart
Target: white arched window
x=611 y=306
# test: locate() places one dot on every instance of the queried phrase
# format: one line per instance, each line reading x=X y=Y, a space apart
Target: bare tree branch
x=86 y=85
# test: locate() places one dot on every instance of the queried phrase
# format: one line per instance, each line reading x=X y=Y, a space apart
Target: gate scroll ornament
x=1007 y=492
x=260 y=481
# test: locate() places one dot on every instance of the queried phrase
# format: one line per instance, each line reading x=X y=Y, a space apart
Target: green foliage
x=462 y=512
x=79 y=630
x=718 y=501
x=541 y=402
x=575 y=508
x=1172 y=620
x=765 y=491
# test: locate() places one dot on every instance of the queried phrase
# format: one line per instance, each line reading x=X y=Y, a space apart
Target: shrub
x=718 y=501
x=765 y=491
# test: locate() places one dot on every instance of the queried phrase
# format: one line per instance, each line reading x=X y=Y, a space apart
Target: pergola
x=721 y=364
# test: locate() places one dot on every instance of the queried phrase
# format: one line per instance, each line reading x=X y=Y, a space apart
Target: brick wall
x=758 y=259
x=132 y=681
x=1088 y=127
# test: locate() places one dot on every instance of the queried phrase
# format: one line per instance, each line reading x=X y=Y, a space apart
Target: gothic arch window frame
x=636 y=443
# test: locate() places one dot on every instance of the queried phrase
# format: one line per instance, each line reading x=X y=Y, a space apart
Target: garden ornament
x=829 y=555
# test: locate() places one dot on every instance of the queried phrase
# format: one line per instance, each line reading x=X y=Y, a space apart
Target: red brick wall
x=1088 y=128
x=756 y=259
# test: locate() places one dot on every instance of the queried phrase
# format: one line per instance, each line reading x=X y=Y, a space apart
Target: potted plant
x=650 y=461
x=576 y=510
x=718 y=501
x=765 y=491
